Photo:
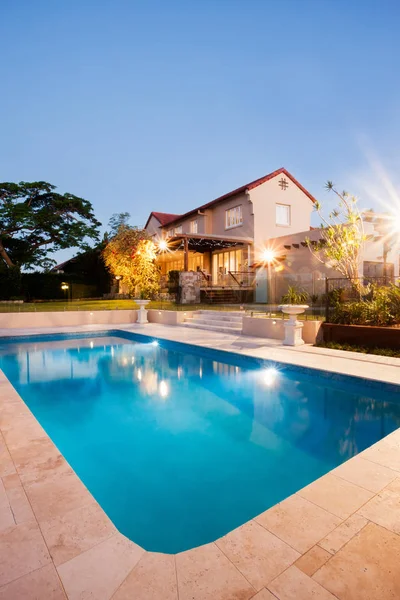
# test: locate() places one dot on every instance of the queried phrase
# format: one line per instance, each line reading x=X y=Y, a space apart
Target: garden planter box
x=362 y=335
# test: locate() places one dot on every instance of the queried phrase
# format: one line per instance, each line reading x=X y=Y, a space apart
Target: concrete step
x=230 y=313
x=219 y=328
x=218 y=319
x=225 y=322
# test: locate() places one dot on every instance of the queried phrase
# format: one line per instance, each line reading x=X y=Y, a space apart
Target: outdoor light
x=64 y=286
x=162 y=245
x=268 y=256
x=118 y=277
x=155 y=343
x=91 y=344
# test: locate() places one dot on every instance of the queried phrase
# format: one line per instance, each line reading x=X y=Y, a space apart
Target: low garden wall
x=28 y=320
x=274 y=328
x=167 y=317
x=362 y=335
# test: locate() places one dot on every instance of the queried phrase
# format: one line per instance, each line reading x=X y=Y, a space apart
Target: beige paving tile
x=56 y=496
x=11 y=481
x=6 y=518
x=257 y=553
x=6 y=464
x=76 y=531
x=312 y=560
x=264 y=594
x=22 y=550
x=342 y=534
x=3 y=495
x=336 y=495
x=98 y=572
x=205 y=572
x=38 y=460
x=22 y=431
x=293 y=584
x=42 y=584
x=384 y=453
x=366 y=474
x=298 y=522
x=20 y=505
x=153 y=578
x=10 y=413
x=384 y=508
x=367 y=568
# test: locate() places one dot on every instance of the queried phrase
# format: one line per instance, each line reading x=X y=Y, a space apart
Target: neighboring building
x=228 y=239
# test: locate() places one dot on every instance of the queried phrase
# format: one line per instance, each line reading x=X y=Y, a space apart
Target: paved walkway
x=337 y=538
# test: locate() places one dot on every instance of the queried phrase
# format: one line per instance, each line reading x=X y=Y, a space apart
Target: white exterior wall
x=373 y=250
x=264 y=199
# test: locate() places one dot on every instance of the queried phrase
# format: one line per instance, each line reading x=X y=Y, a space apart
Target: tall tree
x=342 y=236
x=36 y=221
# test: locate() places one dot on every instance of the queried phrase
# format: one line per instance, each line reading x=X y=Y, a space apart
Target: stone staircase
x=216 y=320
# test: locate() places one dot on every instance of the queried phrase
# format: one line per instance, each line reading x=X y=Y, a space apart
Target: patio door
x=261 y=285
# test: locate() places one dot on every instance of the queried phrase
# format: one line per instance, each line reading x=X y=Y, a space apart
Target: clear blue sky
x=163 y=105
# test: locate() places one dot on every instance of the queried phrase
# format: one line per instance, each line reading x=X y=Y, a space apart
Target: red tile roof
x=249 y=186
x=162 y=218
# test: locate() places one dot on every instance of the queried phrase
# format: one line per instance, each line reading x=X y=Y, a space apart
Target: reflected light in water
x=155 y=343
x=139 y=374
x=269 y=376
x=124 y=361
x=133 y=360
x=91 y=344
x=163 y=389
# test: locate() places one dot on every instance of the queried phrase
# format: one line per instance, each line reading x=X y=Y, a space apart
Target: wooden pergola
x=197 y=242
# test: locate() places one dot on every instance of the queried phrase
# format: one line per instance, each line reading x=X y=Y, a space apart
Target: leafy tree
x=121 y=248
x=342 y=236
x=36 y=221
x=146 y=275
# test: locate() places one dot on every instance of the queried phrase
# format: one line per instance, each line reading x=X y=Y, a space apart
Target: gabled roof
x=162 y=218
x=168 y=219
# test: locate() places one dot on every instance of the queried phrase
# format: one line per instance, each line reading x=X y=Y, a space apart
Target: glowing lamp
x=268 y=256
x=162 y=245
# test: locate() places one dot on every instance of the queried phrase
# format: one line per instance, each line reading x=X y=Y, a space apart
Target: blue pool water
x=181 y=445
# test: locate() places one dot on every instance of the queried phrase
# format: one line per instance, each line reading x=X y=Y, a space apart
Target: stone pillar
x=189 y=287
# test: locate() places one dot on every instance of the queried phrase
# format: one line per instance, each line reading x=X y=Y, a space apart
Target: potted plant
x=293 y=304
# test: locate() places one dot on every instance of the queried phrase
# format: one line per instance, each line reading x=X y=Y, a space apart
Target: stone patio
x=337 y=538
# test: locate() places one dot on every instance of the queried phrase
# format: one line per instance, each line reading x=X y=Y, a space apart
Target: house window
x=283 y=215
x=170 y=233
x=233 y=217
x=193 y=226
x=178 y=230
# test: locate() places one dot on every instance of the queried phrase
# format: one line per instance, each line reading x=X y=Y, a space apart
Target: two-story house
x=226 y=239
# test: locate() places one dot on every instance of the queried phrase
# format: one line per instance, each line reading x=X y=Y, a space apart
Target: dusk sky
x=164 y=105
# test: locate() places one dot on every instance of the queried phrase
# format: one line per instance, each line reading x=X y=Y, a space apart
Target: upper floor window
x=170 y=233
x=233 y=217
x=193 y=226
x=283 y=215
x=178 y=230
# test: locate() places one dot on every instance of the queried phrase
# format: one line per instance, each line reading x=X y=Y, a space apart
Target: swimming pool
x=180 y=444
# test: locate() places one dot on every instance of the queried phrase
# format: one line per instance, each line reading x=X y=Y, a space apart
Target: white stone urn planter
x=142 y=312
x=293 y=327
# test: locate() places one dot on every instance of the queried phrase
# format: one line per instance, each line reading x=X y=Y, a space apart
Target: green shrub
x=294 y=296
x=382 y=308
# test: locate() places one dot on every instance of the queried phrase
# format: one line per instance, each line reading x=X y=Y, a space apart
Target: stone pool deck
x=337 y=538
